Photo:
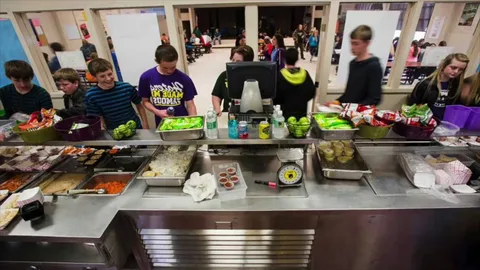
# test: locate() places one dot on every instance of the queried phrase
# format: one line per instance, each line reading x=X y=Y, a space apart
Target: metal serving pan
x=165 y=181
x=7 y=175
x=49 y=178
x=181 y=135
x=355 y=169
x=330 y=135
x=126 y=177
x=121 y=164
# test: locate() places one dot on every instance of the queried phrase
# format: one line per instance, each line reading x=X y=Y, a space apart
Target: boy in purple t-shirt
x=164 y=86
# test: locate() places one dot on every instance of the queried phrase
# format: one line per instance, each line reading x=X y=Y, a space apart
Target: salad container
x=182 y=134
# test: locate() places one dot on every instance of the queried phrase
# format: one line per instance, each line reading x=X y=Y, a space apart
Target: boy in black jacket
x=364 y=85
x=68 y=81
x=294 y=87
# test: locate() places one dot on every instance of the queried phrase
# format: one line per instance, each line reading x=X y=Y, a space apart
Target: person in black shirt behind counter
x=364 y=84
x=220 y=90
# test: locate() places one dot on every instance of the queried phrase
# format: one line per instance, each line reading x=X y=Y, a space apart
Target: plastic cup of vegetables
x=330 y=158
x=338 y=146
x=229 y=185
x=234 y=179
x=349 y=151
x=328 y=152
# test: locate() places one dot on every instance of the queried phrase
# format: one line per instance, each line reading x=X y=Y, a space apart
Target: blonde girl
x=470 y=95
x=443 y=86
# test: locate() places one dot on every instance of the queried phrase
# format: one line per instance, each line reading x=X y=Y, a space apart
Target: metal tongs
x=86 y=191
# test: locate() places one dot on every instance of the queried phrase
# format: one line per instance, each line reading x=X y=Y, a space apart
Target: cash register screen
x=263 y=72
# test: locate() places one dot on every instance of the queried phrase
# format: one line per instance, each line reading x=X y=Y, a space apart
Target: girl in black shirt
x=443 y=86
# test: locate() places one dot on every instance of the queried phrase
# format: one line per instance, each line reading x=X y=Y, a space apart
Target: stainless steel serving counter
x=337 y=208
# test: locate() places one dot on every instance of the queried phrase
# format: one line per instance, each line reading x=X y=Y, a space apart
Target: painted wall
x=11 y=49
x=455 y=35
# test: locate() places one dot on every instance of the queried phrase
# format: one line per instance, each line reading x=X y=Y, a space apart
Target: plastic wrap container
x=446 y=129
x=91 y=132
x=417 y=170
x=435 y=154
x=371 y=132
x=38 y=136
x=412 y=132
x=6 y=131
x=473 y=122
x=457 y=115
x=239 y=191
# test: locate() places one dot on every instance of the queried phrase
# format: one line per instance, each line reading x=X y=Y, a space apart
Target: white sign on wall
x=437 y=26
x=72 y=59
x=434 y=55
x=135 y=37
x=383 y=24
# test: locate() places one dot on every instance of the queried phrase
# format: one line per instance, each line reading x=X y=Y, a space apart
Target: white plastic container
x=239 y=191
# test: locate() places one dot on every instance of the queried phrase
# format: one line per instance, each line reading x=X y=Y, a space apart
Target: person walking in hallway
x=299 y=38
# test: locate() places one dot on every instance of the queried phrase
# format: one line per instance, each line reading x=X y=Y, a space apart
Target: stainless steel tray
x=5 y=176
x=181 y=135
x=330 y=135
x=89 y=184
x=355 y=169
x=46 y=177
x=165 y=181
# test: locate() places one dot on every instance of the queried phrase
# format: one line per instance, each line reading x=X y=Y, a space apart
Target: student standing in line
x=165 y=86
x=442 y=43
x=220 y=90
x=470 y=95
x=295 y=87
x=443 y=86
x=112 y=100
x=364 y=84
x=299 y=37
x=21 y=96
x=68 y=82
x=278 y=54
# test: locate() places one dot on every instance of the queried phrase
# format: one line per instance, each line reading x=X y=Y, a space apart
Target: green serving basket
x=37 y=136
x=371 y=132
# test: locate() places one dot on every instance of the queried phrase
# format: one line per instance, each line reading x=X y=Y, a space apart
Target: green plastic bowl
x=371 y=132
x=38 y=136
x=299 y=130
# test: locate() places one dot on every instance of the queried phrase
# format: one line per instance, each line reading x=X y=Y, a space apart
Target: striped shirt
x=114 y=105
x=28 y=103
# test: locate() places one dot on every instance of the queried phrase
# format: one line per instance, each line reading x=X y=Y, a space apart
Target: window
x=184 y=10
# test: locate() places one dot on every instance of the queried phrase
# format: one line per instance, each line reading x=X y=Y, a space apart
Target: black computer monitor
x=263 y=72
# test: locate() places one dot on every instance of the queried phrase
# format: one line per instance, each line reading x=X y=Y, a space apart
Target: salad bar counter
x=300 y=203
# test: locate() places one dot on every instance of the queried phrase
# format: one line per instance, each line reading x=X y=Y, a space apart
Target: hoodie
x=295 y=88
x=364 y=85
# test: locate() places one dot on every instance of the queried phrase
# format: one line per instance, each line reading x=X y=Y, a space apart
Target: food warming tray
x=181 y=135
x=165 y=181
x=52 y=176
x=125 y=177
x=5 y=176
x=332 y=134
x=355 y=169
